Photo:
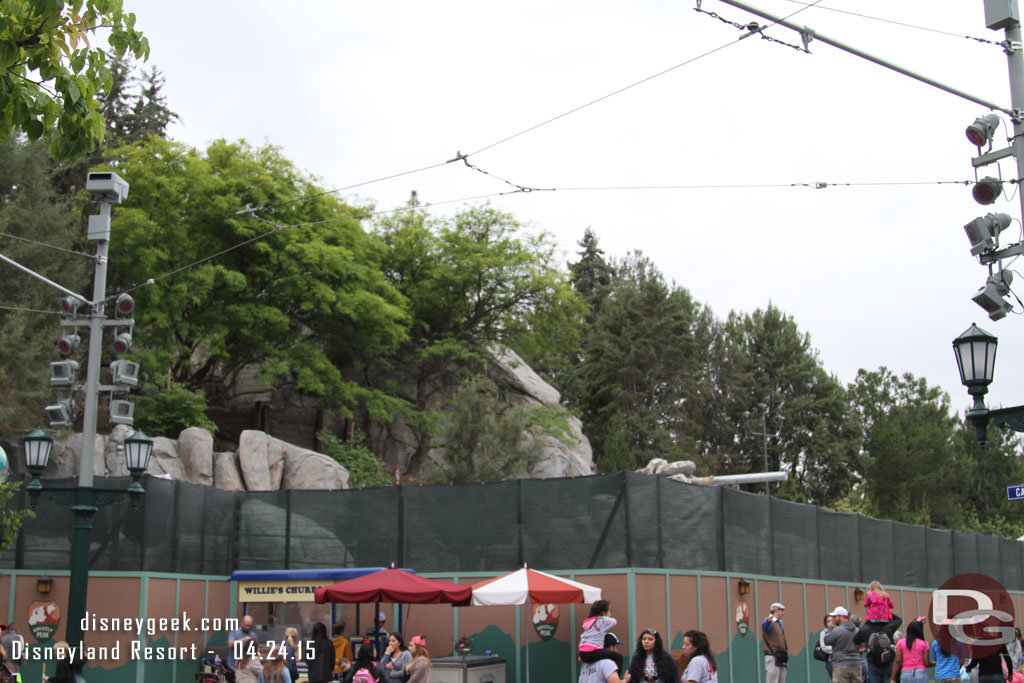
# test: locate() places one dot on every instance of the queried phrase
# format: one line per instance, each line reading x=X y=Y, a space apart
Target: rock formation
x=262 y=463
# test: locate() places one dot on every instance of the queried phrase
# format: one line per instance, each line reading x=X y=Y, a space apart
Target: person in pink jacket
x=878 y=603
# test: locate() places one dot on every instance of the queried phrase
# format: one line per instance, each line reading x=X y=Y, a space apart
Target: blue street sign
x=1015 y=492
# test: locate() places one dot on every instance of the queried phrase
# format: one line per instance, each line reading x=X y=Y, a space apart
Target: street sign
x=1015 y=492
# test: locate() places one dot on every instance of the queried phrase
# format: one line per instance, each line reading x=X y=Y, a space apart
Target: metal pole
x=804 y=31
x=1015 y=60
x=85 y=497
x=764 y=441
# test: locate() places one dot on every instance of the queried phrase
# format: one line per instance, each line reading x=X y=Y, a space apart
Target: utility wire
x=900 y=23
x=48 y=246
x=28 y=310
x=632 y=85
x=280 y=228
x=522 y=189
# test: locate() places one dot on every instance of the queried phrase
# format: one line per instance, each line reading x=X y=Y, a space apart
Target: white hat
x=839 y=612
x=381 y=616
x=775 y=606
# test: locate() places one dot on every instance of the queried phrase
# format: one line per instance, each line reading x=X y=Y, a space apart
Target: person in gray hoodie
x=845 y=654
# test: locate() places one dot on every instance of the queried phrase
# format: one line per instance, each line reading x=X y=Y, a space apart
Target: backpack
x=363 y=676
x=880 y=649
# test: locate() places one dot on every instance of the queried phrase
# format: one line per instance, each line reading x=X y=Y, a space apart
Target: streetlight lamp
x=975 y=352
x=84 y=501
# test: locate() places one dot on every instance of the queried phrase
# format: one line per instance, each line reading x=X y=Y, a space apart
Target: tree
x=253 y=266
x=50 y=74
x=483 y=442
x=910 y=448
x=768 y=364
x=42 y=231
x=591 y=275
x=472 y=284
x=640 y=368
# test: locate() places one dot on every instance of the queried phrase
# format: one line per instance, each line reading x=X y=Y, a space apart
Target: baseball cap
x=611 y=639
x=839 y=611
x=381 y=616
x=775 y=606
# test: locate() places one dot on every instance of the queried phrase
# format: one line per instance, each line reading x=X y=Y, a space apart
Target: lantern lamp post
x=84 y=501
x=975 y=352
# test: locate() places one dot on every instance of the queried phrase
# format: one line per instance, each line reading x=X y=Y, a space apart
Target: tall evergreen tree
x=768 y=364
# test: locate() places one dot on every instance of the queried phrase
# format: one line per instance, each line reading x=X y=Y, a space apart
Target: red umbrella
x=394 y=585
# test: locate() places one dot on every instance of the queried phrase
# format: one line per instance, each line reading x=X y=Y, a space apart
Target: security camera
x=983 y=232
x=62 y=373
x=61 y=415
x=107 y=187
x=125 y=372
x=990 y=296
x=121 y=412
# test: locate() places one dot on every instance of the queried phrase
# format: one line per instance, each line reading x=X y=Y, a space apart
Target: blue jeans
x=828 y=668
x=879 y=674
x=914 y=676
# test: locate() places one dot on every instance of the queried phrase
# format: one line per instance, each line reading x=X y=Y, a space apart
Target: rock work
x=262 y=463
x=680 y=470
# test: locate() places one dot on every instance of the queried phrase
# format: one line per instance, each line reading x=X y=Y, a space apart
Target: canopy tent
x=528 y=585
x=394 y=585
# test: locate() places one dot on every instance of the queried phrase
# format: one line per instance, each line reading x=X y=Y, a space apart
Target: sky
x=875 y=266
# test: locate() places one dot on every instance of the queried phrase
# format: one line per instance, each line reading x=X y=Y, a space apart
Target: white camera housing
x=122 y=412
x=125 y=372
x=61 y=415
x=106 y=186
x=63 y=373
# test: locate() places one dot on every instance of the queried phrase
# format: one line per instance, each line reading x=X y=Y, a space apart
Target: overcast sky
x=877 y=275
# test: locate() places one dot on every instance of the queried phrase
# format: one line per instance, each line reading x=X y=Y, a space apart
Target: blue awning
x=338 y=574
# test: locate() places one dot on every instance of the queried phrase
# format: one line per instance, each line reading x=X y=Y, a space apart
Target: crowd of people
x=601 y=661
x=380 y=657
x=874 y=650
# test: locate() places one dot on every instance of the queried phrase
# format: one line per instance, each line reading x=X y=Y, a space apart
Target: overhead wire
x=49 y=246
x=631 y=85
x=897 y=23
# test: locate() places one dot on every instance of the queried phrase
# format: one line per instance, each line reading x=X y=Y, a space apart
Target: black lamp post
x=84 y=501
x=975 y=352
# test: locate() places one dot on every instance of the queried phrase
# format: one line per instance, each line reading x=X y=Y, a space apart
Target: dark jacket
x=866 y=631
x=321 y=668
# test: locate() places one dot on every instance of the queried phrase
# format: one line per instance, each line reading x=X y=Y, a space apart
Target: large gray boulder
x=307 y=470
x=261 y=458
x=513 y=371
x=113 y=456
x=226 y=474
x=195 y=450
x=164 y=461
x=562 y=459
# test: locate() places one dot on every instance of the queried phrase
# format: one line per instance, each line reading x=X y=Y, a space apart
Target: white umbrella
x=528 y=585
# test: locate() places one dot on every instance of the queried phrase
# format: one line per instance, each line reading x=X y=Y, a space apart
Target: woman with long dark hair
x=391 y=667
x=701 y=666
x=650 y=663
x=913 y=657
x=321 y=667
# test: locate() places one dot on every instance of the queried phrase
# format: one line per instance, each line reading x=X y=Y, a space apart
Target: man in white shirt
x=603 y=670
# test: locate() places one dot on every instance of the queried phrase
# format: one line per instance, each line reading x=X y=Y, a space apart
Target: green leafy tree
x=172 y=409
x=50 y=73
x=364 y=468
x=293 y=289
x=472 y=284
x=483 y=440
